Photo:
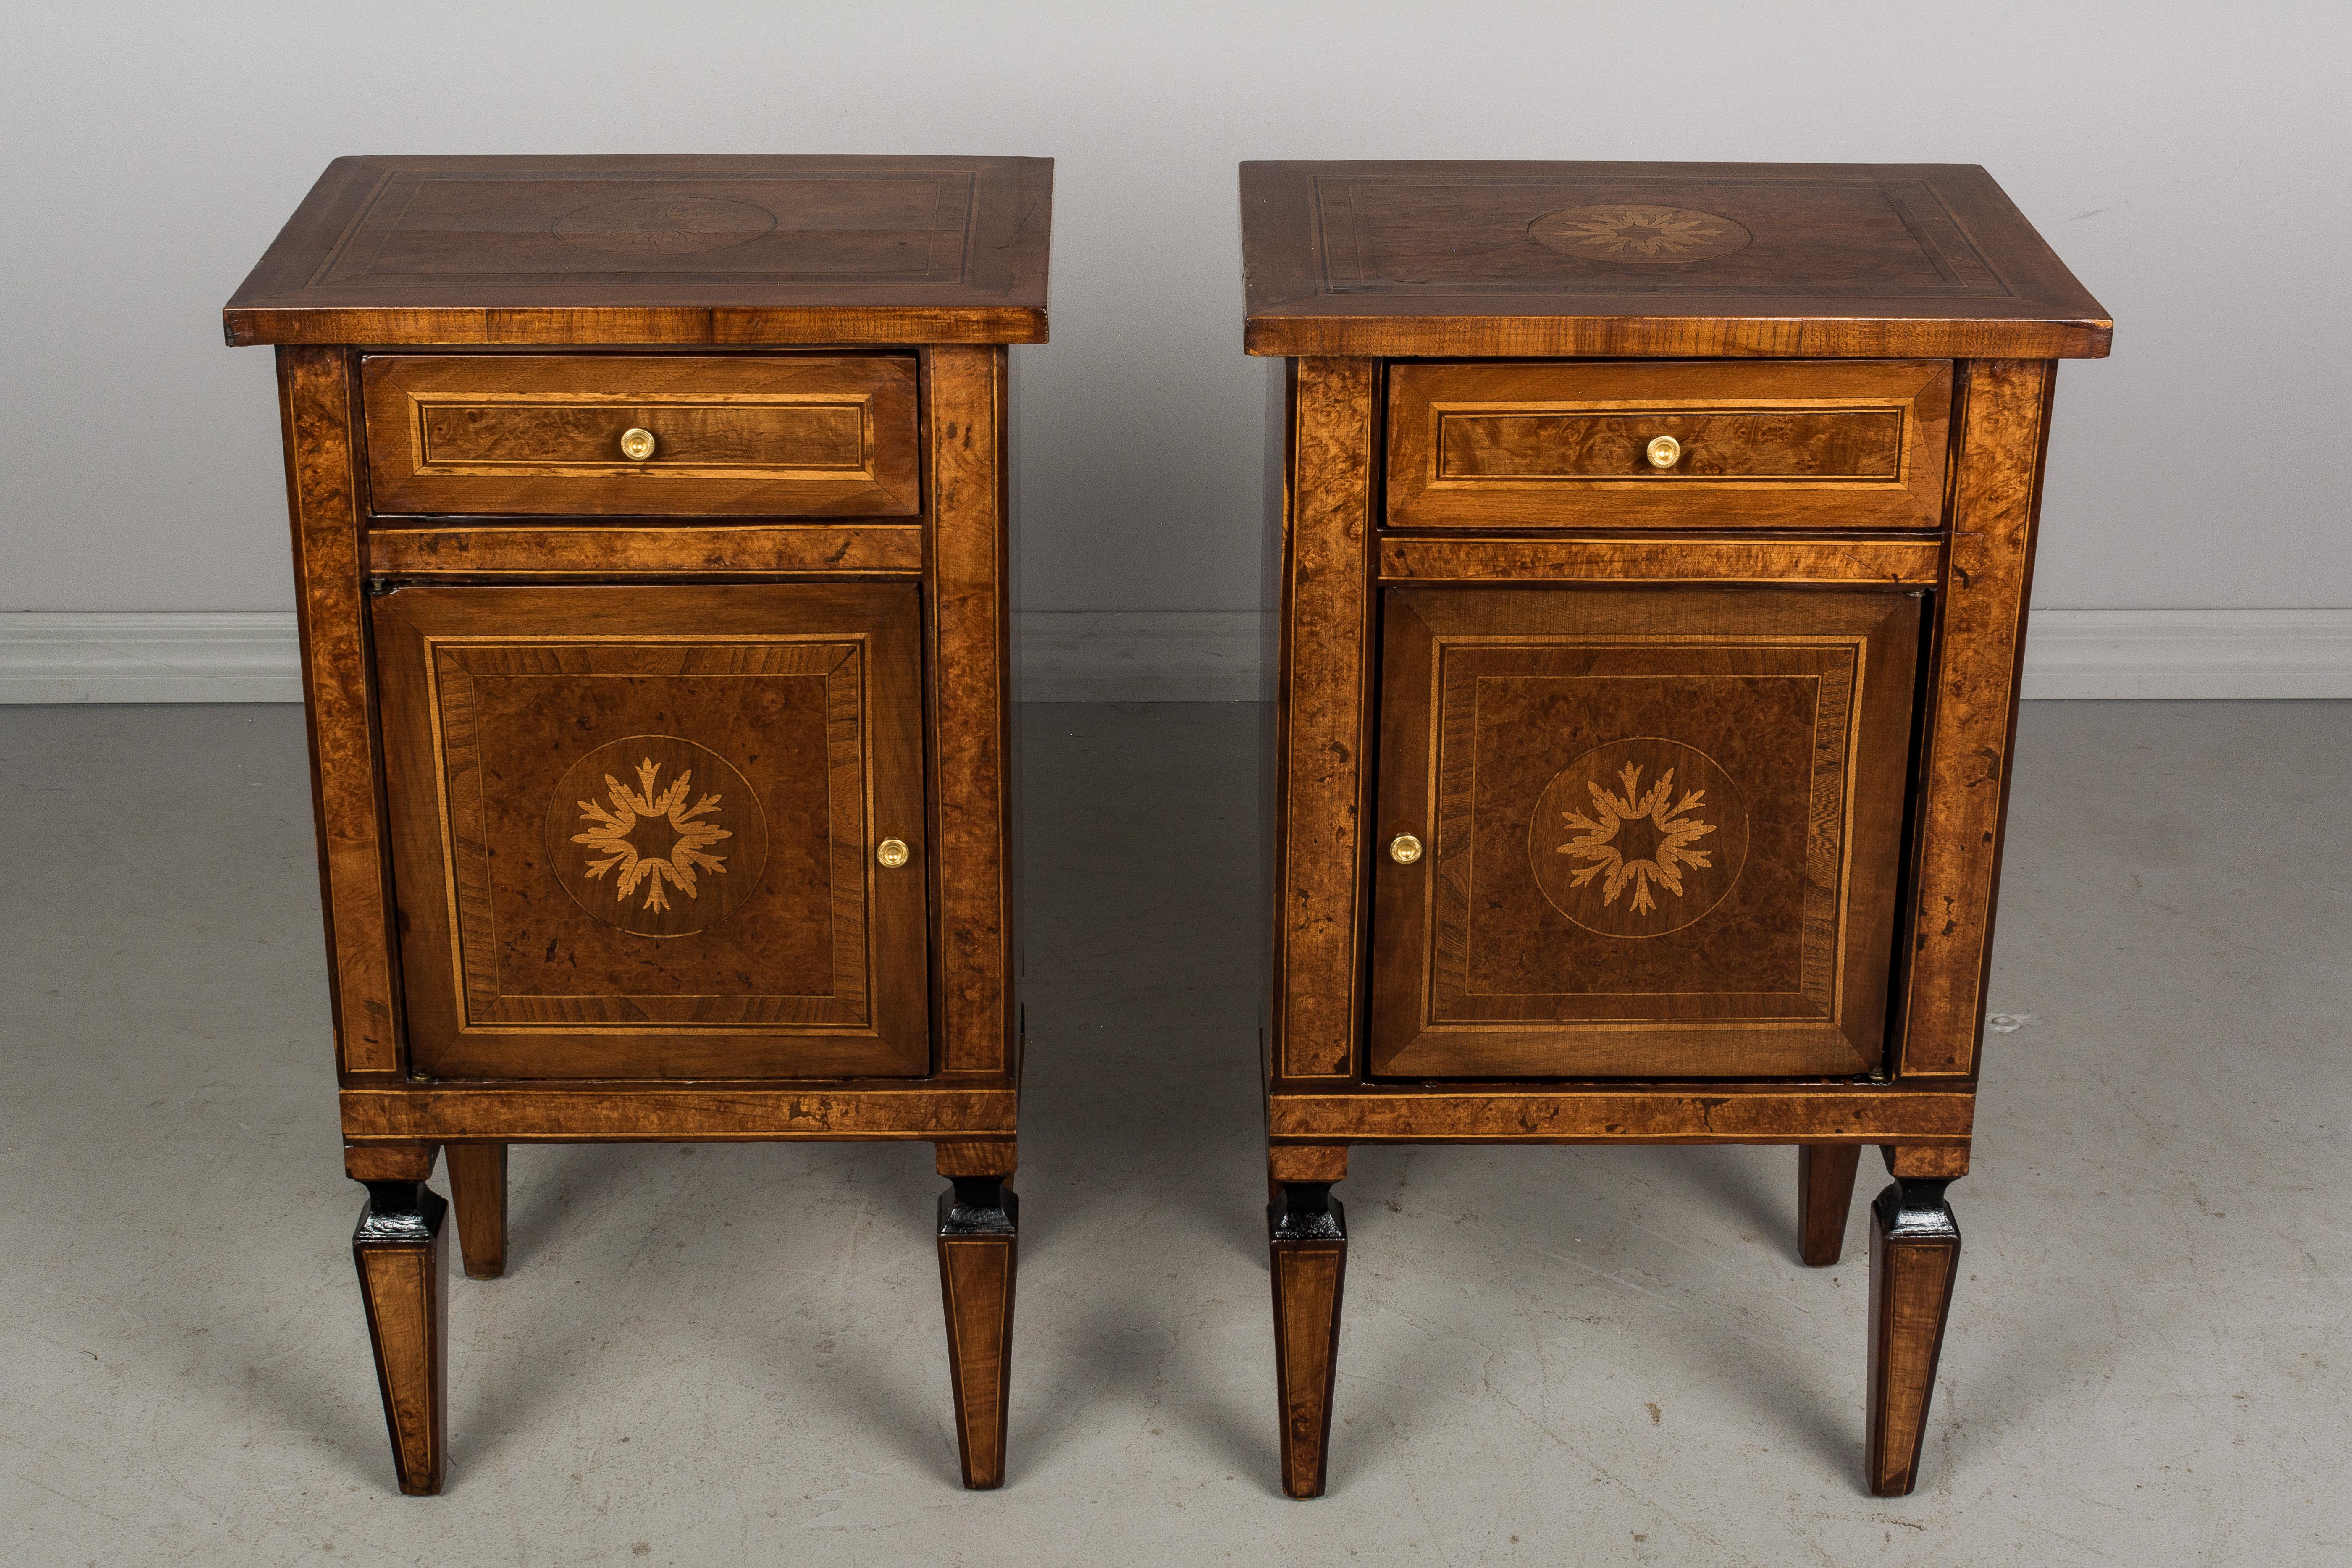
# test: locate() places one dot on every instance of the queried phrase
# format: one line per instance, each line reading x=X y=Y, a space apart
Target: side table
x=651 y=535
x=1652 y=560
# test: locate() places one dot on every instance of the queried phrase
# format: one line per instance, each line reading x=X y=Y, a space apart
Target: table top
x=640 y=250
x=1551 y=259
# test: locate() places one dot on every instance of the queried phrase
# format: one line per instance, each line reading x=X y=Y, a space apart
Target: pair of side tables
x=1650 y=571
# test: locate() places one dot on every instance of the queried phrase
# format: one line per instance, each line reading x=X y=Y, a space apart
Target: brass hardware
x=1404 y=849
x=637 y=445
x=891 y=852
x=1666 y=452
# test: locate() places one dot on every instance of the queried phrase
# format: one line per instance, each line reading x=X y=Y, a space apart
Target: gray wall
x=2190 y=163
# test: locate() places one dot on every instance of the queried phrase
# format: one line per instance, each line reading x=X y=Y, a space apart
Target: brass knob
x=637 y=445
x=1666 y=452
x=1404 y=849
x=891 y=852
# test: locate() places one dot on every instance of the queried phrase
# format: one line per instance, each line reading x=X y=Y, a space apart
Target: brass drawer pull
x=891 y=852
x=637 y=445
x=1666 y=452
x=1404 y=849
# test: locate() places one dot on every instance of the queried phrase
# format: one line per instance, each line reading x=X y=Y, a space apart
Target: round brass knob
x=891 y=852
x=1404 y=849
x=1666 y=452
x=637 y=445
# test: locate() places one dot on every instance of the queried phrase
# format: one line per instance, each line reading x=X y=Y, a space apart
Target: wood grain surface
x=478 y=1191
x=1824 y=1200
x=403 y=1273
x=841 y=1109
x=1506 y=1112
x=1915 y=1259
x=1325 y=724
x=615 y=550
x=1642 y=817
x=1972 y=717
x=1590 y=259
x=1678 y=558
x=762 y=435
x=977 y=1278
x=390 y=1162
x=994 y=1157
x=1307 y=1163
x=968 y=603
x=703 y=249
x=314 y=393
x=635 y=826
x=1564 y=445
x=1309 y=1283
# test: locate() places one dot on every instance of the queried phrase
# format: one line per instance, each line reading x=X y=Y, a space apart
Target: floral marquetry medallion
x=653 y=849
x=1639 y=233
x=655 y=836
x=1640 y=812
x=1638 y=837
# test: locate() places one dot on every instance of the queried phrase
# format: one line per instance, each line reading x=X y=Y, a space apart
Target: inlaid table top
x=701 y=249
x=1784 y=260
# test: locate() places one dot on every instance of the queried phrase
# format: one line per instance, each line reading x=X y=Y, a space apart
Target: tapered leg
x=1307 y=1233
x=979 y=1239
x=1824 y=1198
x=1915 y=1256
x=477 y=1185
x=404 y=1280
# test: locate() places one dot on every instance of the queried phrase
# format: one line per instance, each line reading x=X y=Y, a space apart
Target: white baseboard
x=1188 y=655
x=2189 y=654
x=172 y=656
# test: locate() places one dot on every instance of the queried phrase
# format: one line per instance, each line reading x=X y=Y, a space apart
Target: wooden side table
x=1653 y=554
x=651 y=537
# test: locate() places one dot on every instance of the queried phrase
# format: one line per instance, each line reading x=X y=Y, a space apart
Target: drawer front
x=635 y=829
x=1660 y=830
x=1821 y=444
x=729 y=436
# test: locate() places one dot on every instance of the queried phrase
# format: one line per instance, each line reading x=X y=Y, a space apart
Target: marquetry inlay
x=639 y=820
x=523 y=223
x=1537 y=230
x=1638 y=837
x=1639 y=233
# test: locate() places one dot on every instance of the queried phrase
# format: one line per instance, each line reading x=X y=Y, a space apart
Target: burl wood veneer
x=1651 y=569
x=650 y=540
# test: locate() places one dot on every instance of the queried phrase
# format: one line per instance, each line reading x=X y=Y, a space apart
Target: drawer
x=1724 y=443
x=1655 y=829
x=642 y=832
x=778 y=436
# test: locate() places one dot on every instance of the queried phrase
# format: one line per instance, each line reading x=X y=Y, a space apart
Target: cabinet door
x=1660 y=826
x=635 y=829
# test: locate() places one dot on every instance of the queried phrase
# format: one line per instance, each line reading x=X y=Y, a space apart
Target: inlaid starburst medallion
x=1639 y=837
x=656 y=834
x=1639 y=233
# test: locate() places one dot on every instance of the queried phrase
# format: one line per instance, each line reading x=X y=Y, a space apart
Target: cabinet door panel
x=1643 y=813
x=635 y=829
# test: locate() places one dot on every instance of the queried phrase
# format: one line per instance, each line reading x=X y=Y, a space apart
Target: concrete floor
x=733 y=1356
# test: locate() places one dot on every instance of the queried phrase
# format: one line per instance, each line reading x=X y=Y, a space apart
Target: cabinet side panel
x=331 y=586
x=968 y=627
x=1015 y=748
x=1980 y=638
x=1328 y=579
x=1280 y=394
